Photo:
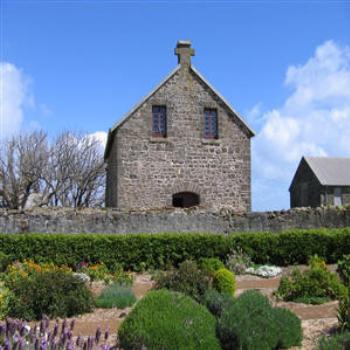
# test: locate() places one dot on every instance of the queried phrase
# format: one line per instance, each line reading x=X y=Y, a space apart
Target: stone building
x=321 y=181
x=182 y=145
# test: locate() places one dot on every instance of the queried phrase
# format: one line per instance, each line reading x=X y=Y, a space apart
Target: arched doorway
x=185 y=199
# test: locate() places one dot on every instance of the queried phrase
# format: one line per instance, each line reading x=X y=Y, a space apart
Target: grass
x=115 y=295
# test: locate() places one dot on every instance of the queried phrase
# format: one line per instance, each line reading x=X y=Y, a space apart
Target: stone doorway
x=185 y=199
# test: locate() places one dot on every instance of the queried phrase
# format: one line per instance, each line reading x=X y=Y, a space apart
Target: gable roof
x=249 y=131
x=330 y=171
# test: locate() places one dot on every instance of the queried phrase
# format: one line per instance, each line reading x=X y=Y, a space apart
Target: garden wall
x=66 y=220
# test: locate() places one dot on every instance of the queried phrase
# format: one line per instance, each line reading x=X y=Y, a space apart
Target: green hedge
x=136 y=251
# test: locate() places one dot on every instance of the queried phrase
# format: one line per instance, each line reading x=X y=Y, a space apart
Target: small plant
x=122 y=277
x=343 y=312
x=343 y=269
x=224 y=281
x=238 y=261
x=252 y=323
x=336 y=342
x=216 y=302
x=116 y=295
x=314 y=285
x=53 y=293
x=168 y=320
x=17 y=334
x=96 y=272
x=188 y=279
x=211 y=265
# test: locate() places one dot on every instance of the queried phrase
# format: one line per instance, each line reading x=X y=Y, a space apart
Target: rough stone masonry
x=68 y=220
x=146 y=171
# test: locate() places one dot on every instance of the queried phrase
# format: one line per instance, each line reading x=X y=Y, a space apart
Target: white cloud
x=100 y=136
x=314 y=120
x=14 y=96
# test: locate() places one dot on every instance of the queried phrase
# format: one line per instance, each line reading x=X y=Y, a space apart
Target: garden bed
x=317 y=320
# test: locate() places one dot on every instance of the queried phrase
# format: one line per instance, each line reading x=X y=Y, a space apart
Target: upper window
x=159 y=121
x=211 y=123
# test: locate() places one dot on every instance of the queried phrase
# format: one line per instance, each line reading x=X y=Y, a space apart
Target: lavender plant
x=18 y=335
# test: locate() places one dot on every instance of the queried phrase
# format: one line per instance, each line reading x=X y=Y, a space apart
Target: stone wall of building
x=175 y=220
x=145 y=171
x=305 y=190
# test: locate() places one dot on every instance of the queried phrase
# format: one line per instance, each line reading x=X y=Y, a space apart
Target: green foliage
x=216 y=302
x=238 y=261
x=224 y=281
x=187 y=279
x=53 y=293
x=336 y=342
x=168 y=320
x=251 y=323
x=312 y=300
x=289 y=328
x=145 y=251
x=115 y=295
x=5 y=260
x=343 y=269
x=343 y=312
x=211 y=265
x=313 y=285
x=97 y=272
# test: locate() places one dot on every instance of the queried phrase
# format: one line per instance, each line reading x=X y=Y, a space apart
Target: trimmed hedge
x=137 y=251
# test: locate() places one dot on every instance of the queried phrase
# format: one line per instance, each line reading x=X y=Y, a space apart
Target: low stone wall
x=66 y=220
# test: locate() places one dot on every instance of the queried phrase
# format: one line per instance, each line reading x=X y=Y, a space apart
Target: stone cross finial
x=184 y=52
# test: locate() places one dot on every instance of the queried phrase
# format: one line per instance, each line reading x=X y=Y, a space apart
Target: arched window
x=185 y=199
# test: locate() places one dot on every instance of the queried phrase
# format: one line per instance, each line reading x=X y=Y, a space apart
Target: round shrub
x=251 y=323
x=247 y=324
x=314 y=285
x=289 y=328
x=187 y=279
x=224 y=281
x=168 y=320
x=211 y=265
x=51 y=293
x=216 y=302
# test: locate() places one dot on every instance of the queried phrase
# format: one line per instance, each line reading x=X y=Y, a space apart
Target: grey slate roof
x=330 y=171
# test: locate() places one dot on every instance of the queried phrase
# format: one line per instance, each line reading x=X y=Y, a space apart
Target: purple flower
x=107 y=333
x=98 y=335
x=55 y=330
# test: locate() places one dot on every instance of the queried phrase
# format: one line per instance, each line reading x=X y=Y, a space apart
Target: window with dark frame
x=211 y=123
x=159 y=121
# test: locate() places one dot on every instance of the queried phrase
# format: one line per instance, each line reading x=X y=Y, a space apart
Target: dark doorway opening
x=185 y=199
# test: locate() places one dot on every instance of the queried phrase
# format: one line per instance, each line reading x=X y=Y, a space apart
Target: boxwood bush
x=168 y=320
x=251 y=323
x=144 y=251
x=224 y=281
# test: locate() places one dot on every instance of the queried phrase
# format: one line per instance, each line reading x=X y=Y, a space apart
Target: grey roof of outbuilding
x=330 y=171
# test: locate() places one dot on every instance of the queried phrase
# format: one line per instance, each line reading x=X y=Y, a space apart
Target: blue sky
x=284 y=65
